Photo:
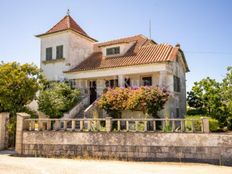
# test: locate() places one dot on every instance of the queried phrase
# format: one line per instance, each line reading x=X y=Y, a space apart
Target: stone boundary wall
x=4 y=118
x=147 y=146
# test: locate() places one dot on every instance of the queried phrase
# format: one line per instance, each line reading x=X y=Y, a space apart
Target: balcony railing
x=109 y=124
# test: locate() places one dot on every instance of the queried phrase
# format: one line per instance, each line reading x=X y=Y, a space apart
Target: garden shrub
x=113 y=101
x=214 y=125
x=57 y=99
x=149 y=100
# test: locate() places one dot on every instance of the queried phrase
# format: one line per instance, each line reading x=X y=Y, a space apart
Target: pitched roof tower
x=67 y=23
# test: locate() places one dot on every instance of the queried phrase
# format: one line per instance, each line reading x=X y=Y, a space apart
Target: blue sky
x=202 y=27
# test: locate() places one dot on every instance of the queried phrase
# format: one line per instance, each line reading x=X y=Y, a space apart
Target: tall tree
x=208 y=92
x=227 y=96
x=18 y=85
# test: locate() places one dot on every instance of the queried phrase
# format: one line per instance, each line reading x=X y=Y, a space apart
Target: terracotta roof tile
x=67 y=23
x=144 y=51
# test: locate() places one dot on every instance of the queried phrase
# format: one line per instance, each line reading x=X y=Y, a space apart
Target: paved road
x=17 y=165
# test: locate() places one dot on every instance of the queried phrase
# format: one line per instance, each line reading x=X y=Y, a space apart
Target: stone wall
x=148 y=146
x=4 y=118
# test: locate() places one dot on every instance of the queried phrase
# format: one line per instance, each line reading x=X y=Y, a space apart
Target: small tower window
x=59 y=52
x=112 y=51
x=176 y=84
x=49 y=53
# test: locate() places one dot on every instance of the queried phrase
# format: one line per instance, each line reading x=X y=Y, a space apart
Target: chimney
x=178 y=45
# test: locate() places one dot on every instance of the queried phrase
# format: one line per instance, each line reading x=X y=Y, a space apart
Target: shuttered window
x=176 y=83
x=59 y=52
x=49 y=53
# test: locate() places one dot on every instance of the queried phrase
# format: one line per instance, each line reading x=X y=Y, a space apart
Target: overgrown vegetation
x=214 y=99
x=18 y=87
x=57 y=98
x=149 y=100
x=213 y=123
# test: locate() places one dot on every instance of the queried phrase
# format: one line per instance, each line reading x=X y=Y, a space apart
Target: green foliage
x=193 y=111
x=213 y=98
x=150 y=100
x=57 y=99
x=18 y=86
x=11 y=128
x=214 y=125
x=194 y=100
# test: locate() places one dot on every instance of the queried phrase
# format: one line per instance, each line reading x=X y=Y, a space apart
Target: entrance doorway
x=92 y=90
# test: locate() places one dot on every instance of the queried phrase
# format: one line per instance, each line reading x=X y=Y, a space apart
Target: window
x=72 y=83
x=176 y=83
x=59 y=52
x=177 y=113
x=147 y=81
x=112 y=51
x=111 y=83
x=49 y=53
x=127 y=82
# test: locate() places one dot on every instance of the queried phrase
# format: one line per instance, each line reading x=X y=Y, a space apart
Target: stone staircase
x=80 y=114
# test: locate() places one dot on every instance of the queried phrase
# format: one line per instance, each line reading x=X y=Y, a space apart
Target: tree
x=205 y=94
x=214 y=97
x=57 y=99
x=194 y=101
x=18 y=86
x=227 y=96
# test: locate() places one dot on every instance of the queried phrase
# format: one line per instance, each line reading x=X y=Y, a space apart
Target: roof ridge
x=155 y=45
x=121 y=38
x=68 y=21
x=57 y=23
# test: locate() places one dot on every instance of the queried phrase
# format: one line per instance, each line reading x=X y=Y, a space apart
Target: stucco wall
x=137 y=69
x=75 y=49
x=212 y=148
x=79 y=49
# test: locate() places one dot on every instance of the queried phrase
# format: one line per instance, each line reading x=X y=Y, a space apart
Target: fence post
x=19 y=132
x=3 y=121
x=108 y=124
x=205 y=125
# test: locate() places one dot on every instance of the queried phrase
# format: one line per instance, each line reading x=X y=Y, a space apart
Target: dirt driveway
x=17 y=165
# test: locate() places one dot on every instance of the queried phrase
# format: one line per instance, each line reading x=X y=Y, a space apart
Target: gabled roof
x=144 y=51
x=67 y=23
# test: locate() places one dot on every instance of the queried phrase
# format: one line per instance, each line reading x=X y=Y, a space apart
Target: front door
x=92 y=90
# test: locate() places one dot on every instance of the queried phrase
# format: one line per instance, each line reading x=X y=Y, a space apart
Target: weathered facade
x=68 y=53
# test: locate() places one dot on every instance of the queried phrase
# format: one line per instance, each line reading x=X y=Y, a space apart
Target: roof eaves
x=45 y=34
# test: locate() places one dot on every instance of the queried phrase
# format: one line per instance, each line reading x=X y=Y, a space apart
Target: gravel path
x=22 y=165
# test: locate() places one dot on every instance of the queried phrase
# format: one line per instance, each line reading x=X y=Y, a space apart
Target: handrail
x=90 y=107
x=78 y=106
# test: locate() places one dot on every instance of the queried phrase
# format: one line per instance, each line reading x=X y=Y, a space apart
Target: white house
x=69 y=53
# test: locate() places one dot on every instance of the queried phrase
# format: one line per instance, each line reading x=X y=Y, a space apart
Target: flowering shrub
x=149 y=100
x=113 y=101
